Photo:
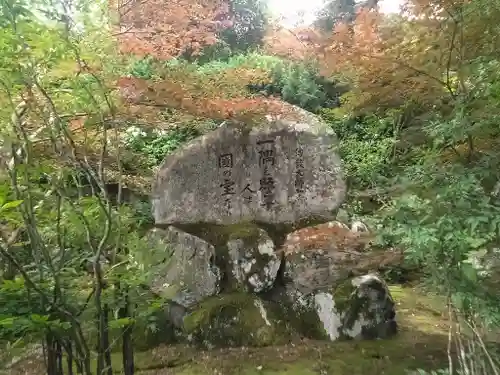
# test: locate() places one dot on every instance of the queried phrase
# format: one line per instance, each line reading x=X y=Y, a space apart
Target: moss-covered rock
x=370 y=311
x=236 y=319
x=359 y=308
x=421 y=344
x=189 y=266
x=299 y=310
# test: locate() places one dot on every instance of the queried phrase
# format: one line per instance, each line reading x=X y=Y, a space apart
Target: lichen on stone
x=302 y=314
x=254 y=262
x=342 y=294
x=328 y=314
x=370 y=311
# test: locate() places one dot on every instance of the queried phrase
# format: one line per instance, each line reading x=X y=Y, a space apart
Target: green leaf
x=121 y=323
x=11 y=204
x=37 y=318
x=7 y=322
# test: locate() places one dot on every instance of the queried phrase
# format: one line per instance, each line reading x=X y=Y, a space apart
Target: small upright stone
x=359 y=227
x=279 y=172
x=369 y=310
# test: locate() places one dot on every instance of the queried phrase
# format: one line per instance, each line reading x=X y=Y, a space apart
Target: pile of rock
x=249 y=215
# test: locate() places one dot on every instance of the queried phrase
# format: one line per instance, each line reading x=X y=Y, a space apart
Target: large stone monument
x=254 y=194
x=280 y=172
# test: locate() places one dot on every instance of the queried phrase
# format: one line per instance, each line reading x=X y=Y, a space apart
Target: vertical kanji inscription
x=247 y=193
x=228 y=186
x=299 y=171
x=267 y=160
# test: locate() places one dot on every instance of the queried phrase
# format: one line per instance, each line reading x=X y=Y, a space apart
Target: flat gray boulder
x=278 y=172
x=323 y=255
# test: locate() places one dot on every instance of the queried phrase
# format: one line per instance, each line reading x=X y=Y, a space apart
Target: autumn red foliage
x=415 y=57
x=139 y=93
x=167 y=29
x=386 y=62
x=290 y=43
x=377 y=61
x=152 y=28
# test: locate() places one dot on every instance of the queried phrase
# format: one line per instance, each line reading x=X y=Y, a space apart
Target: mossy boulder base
x=236 y=319
x=359 y=308
x=318 y=263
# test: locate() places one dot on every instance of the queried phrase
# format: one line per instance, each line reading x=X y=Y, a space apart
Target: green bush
x=143 y=68
x=155 y=145
x=366 y=146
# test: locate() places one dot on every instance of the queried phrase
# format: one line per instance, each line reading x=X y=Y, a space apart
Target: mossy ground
x=234 y=319
x=421 y=343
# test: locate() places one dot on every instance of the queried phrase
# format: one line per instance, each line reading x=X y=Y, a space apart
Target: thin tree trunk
x=58 y=356
x=69 y=357
x=102 y=311
x=99 y=319
x=105 y=340
x=51 y=365
x=127 y=343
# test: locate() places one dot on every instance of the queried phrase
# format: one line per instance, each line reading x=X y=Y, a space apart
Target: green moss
x=249 y=233
x=387 y=357
x=234 y=319
x=218 y=235
x=420 y=311
x=302 y=318
x=212 y=307
x=342 y=295
x=421 y=343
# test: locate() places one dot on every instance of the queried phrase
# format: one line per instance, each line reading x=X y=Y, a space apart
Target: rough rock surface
x=321 y=256
x=279 y=172
x=236 y=319
x=358 y=308
x=191 y=267
x=319 y=285
x=254 y=262
x=359 y=227
x=369 y=312
x=225 y=187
